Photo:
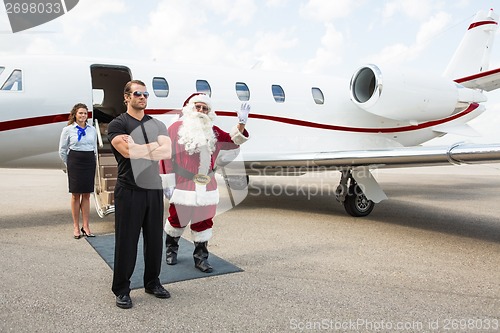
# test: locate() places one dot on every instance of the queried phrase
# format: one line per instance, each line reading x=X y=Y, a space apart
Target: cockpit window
x=318 y=96
x=242 y=91
x=14 y=82
x=202 y=86
x=1 y=69
x=278 y=93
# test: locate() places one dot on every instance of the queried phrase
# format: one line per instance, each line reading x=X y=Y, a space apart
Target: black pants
x=135 y=210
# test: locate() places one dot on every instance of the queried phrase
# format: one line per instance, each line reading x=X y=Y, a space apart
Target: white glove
x=169 y=191
x=243 y=113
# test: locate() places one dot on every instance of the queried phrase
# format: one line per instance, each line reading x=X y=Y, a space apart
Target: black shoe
x=158 y=291
x=85 y=234
x=123 y=301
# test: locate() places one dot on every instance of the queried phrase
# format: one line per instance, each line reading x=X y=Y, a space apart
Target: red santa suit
x=193 y=202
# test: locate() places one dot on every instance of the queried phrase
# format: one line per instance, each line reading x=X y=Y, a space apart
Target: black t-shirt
x=137 y=174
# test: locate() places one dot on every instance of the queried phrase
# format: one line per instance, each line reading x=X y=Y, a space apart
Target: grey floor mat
x=184 y=270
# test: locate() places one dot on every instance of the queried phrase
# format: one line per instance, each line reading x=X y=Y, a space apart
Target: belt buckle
x=201 y=179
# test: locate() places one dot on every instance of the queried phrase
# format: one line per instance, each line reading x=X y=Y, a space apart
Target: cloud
x=274 y=41
x=399 y=53
x=183 y=31
x=329 y=53
x=69 y=33
x=276 y=3
x=431 y=28
x=414 y=9
x=4 y=21
x=41 y=46
x=87 y=10
x=205 y=33
x=84 y=19
x=268 y=46
x=327 y=10
x=235 y=11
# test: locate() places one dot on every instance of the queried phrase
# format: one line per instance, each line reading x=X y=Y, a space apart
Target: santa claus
x=188 y=176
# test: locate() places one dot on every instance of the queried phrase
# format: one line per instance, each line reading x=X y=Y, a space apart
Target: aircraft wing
x=488 y=81
x=299 y=163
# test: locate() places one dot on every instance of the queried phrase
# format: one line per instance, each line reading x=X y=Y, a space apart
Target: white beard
x=196 y=132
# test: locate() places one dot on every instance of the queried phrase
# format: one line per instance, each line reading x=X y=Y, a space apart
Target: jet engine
x=410 y=97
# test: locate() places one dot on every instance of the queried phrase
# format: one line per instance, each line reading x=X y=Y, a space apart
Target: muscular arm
x=157 y=150
x=164 y=149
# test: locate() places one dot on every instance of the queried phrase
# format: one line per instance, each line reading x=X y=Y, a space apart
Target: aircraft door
x=108 y=82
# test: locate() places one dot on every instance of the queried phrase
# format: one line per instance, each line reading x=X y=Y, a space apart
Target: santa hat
x=198 y=98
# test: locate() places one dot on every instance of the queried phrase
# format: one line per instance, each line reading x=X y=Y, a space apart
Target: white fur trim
x=167 y=180
x=238 y=137
x=201 y=98
x=200 y=189
x=194 y=198
x=201 y=236
x=171 y=231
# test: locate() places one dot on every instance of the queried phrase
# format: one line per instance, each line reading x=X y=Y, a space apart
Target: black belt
x=197 y=178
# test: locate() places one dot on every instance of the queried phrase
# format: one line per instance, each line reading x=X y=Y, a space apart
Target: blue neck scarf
x=81 y=132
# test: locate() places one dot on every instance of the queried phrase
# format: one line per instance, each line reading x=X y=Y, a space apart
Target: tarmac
x=426 y=260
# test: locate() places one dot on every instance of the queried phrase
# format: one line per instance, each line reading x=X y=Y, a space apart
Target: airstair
x=106 y=173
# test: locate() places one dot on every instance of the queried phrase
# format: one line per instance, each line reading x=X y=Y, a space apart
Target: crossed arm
x=157 y=150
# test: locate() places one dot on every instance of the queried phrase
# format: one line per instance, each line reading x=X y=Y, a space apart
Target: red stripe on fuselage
x=37 y=121
x=30 y=122
x=304 y=123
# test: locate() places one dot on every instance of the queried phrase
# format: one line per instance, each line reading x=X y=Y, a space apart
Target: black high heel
x=85 y=234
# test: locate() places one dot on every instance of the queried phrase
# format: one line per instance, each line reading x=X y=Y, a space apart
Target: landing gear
x=237 y=183
x=356 y=203
x=351 y=195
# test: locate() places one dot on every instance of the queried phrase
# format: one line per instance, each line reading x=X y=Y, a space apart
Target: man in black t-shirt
x=138 y=142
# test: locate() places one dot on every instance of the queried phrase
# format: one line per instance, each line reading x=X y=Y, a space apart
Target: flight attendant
x=78 y=149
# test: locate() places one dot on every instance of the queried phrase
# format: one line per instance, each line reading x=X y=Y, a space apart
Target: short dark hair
x=128 y=86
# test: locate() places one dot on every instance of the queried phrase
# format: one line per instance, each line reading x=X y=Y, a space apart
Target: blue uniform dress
x=77 y=149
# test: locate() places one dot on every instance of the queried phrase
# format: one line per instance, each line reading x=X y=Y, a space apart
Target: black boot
x=172 y=245
x=200 y=256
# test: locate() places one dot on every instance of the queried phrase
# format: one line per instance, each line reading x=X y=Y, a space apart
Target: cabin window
x=14 y=82
x=318 y=96
x=160 y=87
x=242 y=91
x=278 y=93
x=202 y=86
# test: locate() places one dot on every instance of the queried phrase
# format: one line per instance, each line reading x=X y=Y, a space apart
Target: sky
x=314 y=36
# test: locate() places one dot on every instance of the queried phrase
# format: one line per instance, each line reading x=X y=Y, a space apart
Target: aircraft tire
x=238 y=183
x=357 y=204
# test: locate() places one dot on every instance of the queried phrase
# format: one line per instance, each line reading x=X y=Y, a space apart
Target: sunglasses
x=201 y=108
x=140 y=93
